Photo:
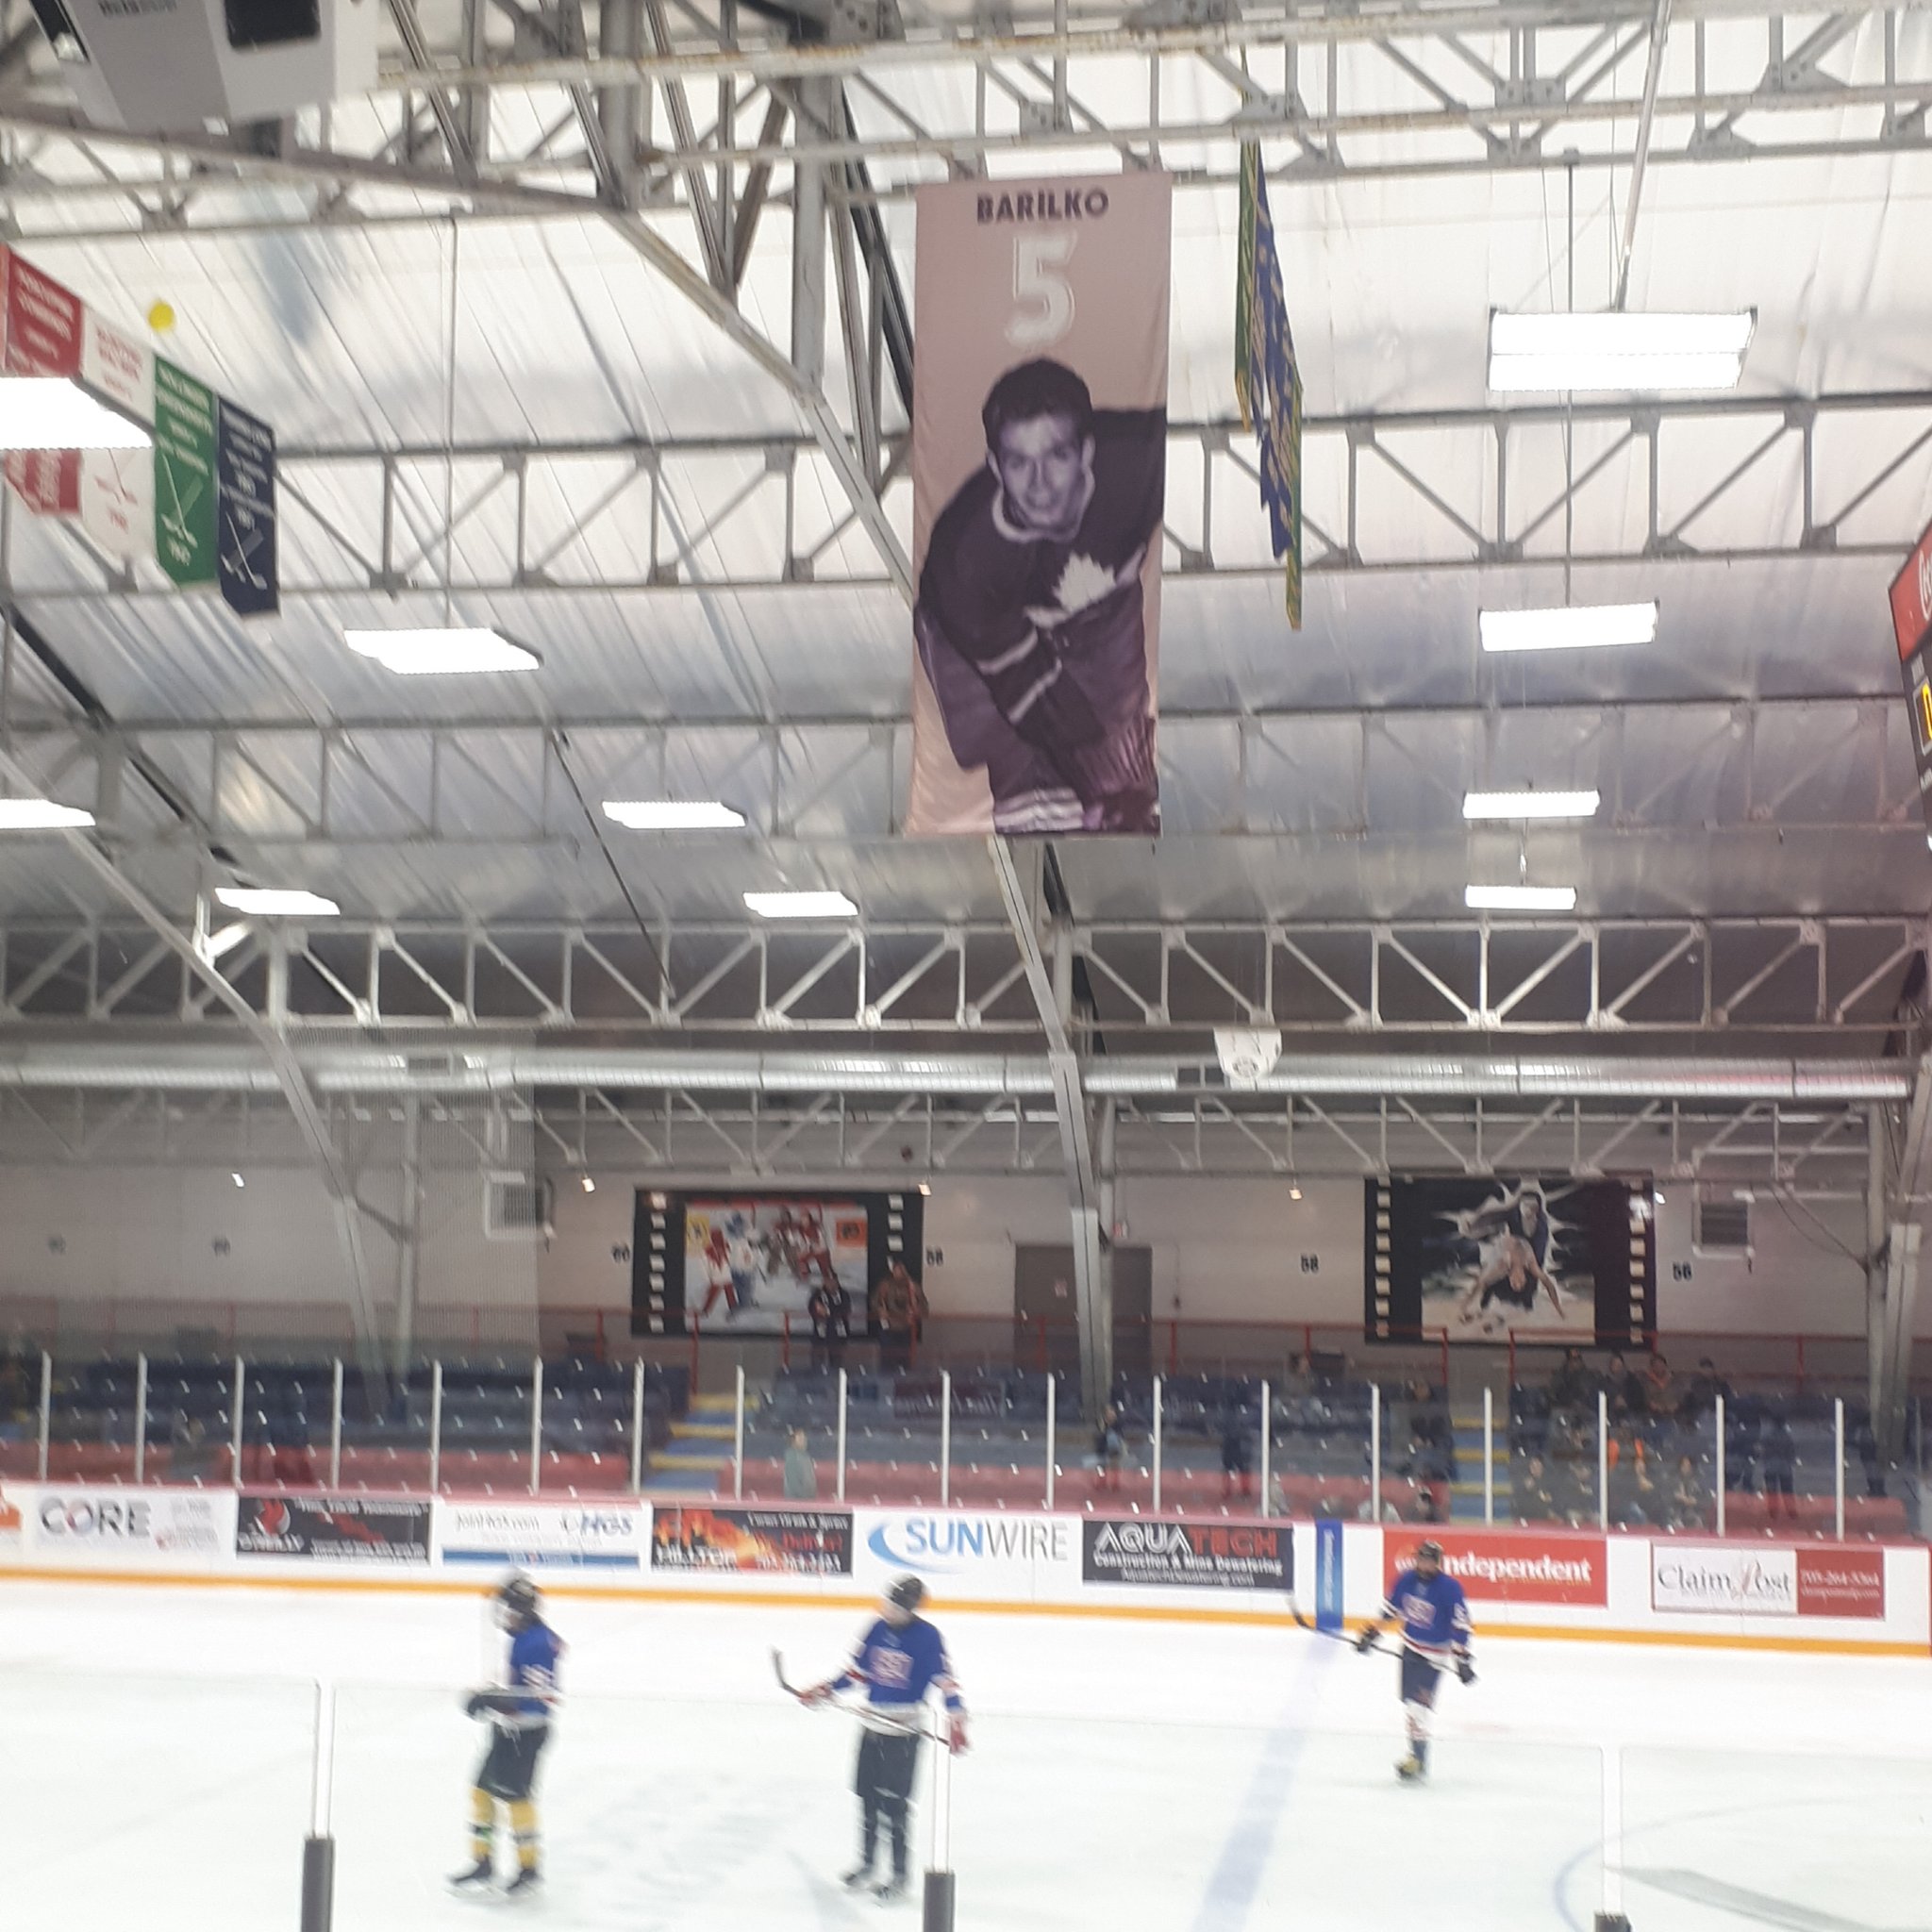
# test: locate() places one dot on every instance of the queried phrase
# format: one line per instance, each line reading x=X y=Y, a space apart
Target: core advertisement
x=118 y=1525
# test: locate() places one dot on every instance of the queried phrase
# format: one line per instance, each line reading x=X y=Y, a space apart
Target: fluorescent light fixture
x=926 y=1190
x=1629 y=353
x=271 y=903
x=1520 y=898
x=589 y=1186
x=53 y=413
x=1294 y=1190
x=453 y=650
x=672 y=814
x=41 y=815
x=1568 y=626
x=1530 y=805
x=237 y=1180
x=801 y=905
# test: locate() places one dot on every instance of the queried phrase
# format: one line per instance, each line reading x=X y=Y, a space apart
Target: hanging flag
x=1267 y=384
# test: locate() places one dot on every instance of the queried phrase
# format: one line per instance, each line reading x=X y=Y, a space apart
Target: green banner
x=184 y=475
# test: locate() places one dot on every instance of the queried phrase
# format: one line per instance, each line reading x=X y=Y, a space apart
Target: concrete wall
x=1238 y=1251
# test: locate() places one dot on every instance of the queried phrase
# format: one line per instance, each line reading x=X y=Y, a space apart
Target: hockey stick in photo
x=785 y=1684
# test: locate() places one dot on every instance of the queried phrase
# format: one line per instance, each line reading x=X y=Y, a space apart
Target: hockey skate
x=473 y=1881
x=1413 y=1770
x=858 y=1879
x=893 y=1890
x=527 y=1884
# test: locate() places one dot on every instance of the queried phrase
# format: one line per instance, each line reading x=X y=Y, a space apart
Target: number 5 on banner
x=1045 y=310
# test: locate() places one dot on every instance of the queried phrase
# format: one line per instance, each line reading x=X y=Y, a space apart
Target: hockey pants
x=884 y=1783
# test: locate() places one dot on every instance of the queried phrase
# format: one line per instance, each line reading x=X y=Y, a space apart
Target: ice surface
x=156 y=1757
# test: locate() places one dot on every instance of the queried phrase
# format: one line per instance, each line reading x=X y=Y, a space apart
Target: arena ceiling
x=672 y=461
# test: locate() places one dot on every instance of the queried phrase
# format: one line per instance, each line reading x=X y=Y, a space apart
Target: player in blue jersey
x=901 y=1661
x=1429 y=1605
x=519 y=1714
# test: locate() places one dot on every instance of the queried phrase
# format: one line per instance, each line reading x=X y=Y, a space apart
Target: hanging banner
x=1477 y=1259
x=184 y=475
x=1038 y=470
x=246 y=493
x=43 y=328
x=117 y=486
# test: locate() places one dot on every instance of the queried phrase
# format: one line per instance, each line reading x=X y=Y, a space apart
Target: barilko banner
x=338 y=1529
x=1039 y=475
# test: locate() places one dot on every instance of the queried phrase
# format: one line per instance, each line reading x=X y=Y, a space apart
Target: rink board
x=1742 y=1593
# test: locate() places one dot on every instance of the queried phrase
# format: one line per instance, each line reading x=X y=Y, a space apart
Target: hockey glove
x=1465 y=1669
x=816 y=1695
x=956 y=1733
x=1366 y=1641
x=476 y=1705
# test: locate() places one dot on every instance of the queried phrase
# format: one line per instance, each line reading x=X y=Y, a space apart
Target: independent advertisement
x=1767 y=1580
x=389 y=1530
x=961 y=1553
x=542 y=1536
x=1509 y=1566
x=1225 y=1556
x=797 y=1542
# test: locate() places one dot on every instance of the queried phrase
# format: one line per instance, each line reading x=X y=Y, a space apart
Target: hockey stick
x=785 y=1684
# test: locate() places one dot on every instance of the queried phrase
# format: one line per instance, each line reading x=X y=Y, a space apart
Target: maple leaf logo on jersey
x=1083 y=582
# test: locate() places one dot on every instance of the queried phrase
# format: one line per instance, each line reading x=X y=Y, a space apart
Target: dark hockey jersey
x=1054 y=627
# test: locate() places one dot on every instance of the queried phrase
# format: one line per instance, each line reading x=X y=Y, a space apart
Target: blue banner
x=1327 y=1573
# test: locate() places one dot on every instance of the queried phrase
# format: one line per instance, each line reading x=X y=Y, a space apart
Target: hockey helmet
x=906 y=1593
x=519 y=1604
x=1429 y=1551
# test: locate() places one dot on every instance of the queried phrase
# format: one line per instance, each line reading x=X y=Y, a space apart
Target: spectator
x=1701 y=1393
x=1633 y=1488
x=898 y=1307
x=1573 y=1386
x=189 y=1460
x=1659 y=1389
x=1621 y=1390
x=1236 y=1456
x=1685 y=1504
x=829 y=1312
x=1427 y=1510
x=801 y=1471
x=1532 y=1498
x=1777 y=1464
x=1109 y=1450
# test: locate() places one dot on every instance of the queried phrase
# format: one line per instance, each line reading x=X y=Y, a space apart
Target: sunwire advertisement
x=960 y=1554
x=1223 y=1556
x=1509 y=1566
x=542 y=1536
x=339 y=1529
x=1767 y=1580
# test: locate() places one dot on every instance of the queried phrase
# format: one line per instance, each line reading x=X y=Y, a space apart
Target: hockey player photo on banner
x=1039 y=472
x=1480 y=1259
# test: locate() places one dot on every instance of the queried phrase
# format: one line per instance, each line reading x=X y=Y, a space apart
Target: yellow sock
x=482 y=1822
x=522 y=1820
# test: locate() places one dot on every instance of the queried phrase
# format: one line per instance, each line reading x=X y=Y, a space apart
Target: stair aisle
x=698 y=1456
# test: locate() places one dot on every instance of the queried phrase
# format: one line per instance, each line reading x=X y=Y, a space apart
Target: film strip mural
x=1478 y=1258
x=753 y=1261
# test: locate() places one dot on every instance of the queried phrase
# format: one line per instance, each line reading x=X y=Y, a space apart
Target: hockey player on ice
x=899 y=1660
x=519 y=1715
x=1433 y=1614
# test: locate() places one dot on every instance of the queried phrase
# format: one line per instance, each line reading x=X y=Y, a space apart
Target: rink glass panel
x=1713 y=1840
x=175 y=1803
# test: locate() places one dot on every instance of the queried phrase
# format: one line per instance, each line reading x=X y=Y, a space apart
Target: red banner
x=42 y=321
x=1509 y=1566
x=1840 y=1582
x=1911 y=598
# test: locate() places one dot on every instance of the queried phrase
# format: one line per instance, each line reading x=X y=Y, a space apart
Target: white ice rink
x=155 y=1753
